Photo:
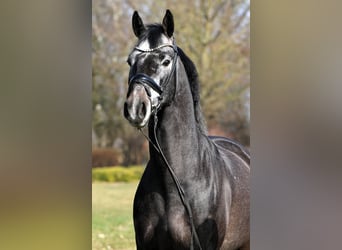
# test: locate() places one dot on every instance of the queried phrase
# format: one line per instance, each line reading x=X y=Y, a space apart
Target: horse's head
x=152 y=64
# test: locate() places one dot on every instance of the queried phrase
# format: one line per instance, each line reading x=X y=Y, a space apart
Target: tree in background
x=214 y=34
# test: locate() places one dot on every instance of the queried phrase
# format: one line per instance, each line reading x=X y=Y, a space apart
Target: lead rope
x=178 y=185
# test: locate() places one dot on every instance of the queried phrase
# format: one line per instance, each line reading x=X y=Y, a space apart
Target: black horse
x=194 y=193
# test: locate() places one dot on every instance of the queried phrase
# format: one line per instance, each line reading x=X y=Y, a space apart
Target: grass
x=112 y=220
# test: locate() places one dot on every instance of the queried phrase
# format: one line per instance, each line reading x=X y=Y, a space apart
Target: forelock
x=153 y=35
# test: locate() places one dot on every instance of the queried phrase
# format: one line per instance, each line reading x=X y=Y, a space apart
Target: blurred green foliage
x=117 y=174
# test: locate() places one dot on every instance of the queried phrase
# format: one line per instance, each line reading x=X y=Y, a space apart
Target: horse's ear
x=137 y=24
x=168 y=23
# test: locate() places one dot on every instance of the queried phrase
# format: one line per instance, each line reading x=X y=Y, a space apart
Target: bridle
x=146 y=81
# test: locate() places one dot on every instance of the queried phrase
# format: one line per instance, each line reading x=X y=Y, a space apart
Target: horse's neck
x=178 y=135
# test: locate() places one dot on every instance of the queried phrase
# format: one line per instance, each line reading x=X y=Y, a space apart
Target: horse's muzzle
x=137 y=108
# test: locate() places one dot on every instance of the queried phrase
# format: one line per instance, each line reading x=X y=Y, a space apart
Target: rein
x=148 y=81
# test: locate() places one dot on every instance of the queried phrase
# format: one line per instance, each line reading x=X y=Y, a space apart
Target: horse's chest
x=170 y=225
x=177 y=225
x=174 y=226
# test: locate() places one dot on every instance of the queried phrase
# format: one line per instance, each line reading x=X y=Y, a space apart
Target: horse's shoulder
x=231 y=145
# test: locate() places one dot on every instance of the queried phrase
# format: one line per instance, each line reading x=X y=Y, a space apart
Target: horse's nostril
x=126 y=109
x=142 y=111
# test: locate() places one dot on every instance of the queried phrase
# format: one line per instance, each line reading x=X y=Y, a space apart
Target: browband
x=156 y=48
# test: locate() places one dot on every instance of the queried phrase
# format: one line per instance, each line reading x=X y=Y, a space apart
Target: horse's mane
x=152 y=33
x=193 y=78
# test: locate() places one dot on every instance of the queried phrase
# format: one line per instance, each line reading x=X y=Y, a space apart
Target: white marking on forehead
x=145 y=45
x=166 y=39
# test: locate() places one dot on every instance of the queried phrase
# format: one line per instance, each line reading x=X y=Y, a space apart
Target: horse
x=194 y=192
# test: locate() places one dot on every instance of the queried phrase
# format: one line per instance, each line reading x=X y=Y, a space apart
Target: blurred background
x=214 y=34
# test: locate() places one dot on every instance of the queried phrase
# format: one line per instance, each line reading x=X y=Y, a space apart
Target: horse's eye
x=166 y=62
